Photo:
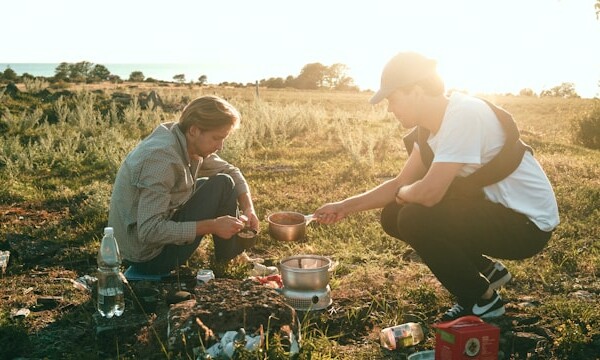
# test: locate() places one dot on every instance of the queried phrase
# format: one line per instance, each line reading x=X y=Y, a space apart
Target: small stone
x=20 y=313
x=178 y=296
x=49 y=302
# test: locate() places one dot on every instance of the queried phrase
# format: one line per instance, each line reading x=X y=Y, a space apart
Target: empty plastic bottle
x=401 y=336
x=111 y=300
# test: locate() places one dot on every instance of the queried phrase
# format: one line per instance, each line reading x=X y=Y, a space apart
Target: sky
x=480 y=45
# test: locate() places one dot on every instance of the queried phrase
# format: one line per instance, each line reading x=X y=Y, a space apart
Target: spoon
x=246 y=232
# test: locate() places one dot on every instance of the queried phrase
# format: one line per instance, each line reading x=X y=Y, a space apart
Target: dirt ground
x=48 y=303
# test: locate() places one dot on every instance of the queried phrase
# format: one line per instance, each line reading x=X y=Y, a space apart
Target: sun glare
x=481 y=46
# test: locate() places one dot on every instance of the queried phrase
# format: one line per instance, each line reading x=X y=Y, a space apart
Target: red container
x=466 y=338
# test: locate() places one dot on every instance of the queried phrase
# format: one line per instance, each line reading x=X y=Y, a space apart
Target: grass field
x=298 y=149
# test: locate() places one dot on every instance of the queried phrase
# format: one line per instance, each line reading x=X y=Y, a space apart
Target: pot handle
x=332 y=266
x=309 y=218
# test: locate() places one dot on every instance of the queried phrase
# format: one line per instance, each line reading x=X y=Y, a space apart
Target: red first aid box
x=466 y=338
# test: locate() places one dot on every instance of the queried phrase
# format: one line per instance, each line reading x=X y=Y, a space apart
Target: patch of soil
x=28 y=216
x=197 y=320
x=48 y=309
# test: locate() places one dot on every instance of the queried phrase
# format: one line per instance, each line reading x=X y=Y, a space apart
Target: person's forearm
x=412 y=194
x=204 y=227
x=375 y=198
x=245 y=202
x=431 y=189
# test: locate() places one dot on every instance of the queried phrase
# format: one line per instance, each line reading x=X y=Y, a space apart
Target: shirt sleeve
x=459 y=139
x=156 y=181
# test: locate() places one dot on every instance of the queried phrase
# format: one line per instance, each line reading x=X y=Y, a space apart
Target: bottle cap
x=108 y=230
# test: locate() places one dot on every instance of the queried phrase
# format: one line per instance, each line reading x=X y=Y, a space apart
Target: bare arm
x=375 y=198
x=431 y=189
x=247 y=207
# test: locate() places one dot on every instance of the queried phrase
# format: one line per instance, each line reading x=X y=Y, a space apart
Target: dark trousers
x=453 y=237
x=214 y=197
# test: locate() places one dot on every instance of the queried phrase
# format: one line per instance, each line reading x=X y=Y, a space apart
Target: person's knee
x=412 y=220
x=388 y=221
x=224 y=185
x=223 y=180
x=405 y=222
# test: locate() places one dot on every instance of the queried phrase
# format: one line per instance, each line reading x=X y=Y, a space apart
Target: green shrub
x=586 y=130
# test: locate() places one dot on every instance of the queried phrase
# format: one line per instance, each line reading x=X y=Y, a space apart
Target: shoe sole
x=500 y=282
x=495 y=313
x=489 y=315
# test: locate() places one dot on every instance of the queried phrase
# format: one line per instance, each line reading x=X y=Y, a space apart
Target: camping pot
x=305 y=272
x=288 y=225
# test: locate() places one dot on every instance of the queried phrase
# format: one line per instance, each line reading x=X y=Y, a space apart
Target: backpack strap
x=498 y=168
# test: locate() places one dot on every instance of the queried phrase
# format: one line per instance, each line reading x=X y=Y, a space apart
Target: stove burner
x=306 y=300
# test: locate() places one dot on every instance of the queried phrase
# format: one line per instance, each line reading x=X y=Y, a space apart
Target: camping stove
x=306 y=282
x=306 y=300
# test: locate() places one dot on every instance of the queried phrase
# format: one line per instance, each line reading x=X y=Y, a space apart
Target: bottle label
x=111 y=292
x=401 y=336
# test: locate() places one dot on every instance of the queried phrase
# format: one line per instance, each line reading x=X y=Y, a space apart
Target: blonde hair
x=209 y=112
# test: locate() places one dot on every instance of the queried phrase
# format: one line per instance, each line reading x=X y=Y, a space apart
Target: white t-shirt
x=471 y=134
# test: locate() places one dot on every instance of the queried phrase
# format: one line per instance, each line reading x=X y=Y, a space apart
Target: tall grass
x=35 y=85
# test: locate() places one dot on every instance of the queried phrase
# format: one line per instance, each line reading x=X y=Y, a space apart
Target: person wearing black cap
x=470 y=192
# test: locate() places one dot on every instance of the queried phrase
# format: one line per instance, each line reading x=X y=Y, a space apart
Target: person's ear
x=194 y=131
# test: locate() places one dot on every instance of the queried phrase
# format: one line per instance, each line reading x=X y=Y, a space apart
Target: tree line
x=312 y=76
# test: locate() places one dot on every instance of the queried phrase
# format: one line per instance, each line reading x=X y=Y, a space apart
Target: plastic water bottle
x=111 y=300
x=401 y=336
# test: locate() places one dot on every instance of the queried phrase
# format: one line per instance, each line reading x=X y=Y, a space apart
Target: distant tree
x=334 y=75
x=62 y=71
x=597 y=6
x=136 y=76
x=311 y=76
x=10 y=75
x=346 y=83
x=319 y=76
x=202 y=80
x=290 y=81
x=526 y=92
x=564 y=90
x=274 y=83
x=99 y=73
x=79 y=72
x=115 y=79
x=180 y=78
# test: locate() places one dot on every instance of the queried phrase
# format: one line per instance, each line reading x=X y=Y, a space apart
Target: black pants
x=214 y=196
x=453 y=236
